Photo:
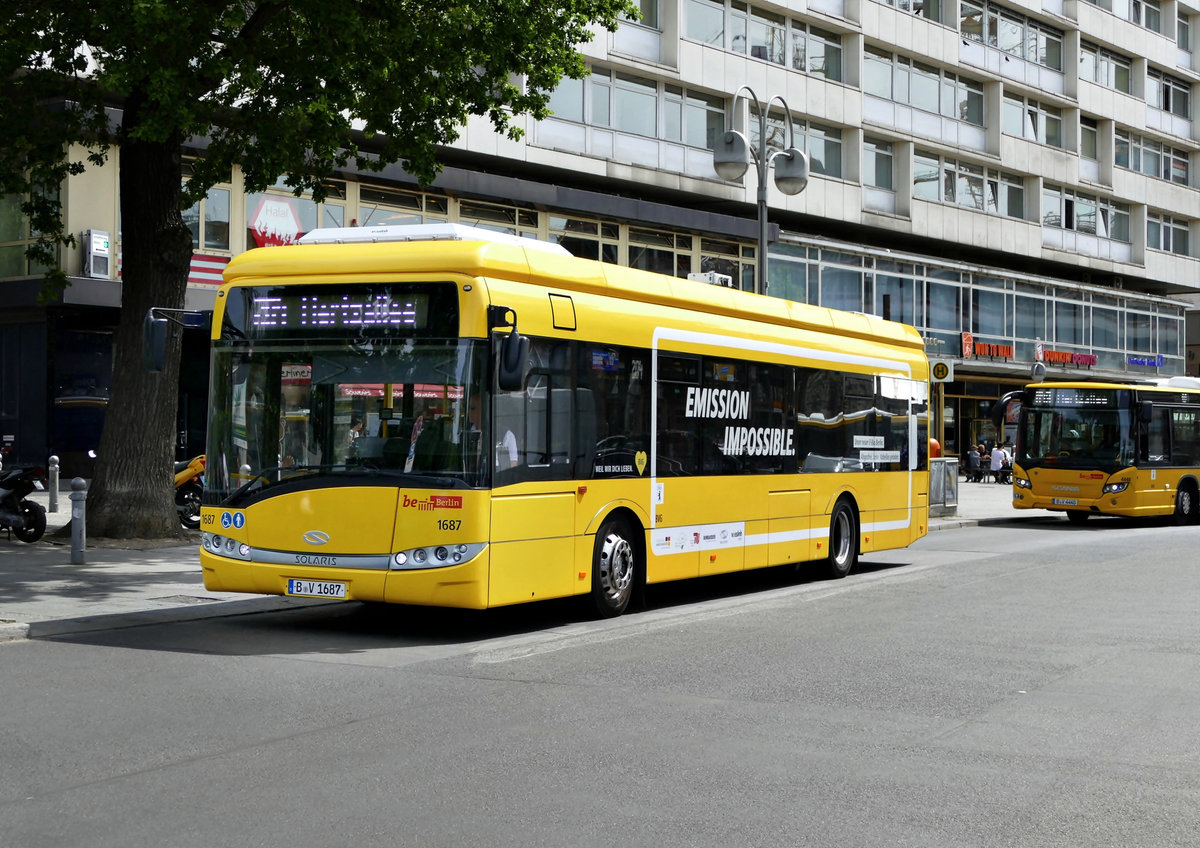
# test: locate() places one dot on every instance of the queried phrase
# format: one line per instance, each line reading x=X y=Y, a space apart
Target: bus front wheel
x=843 y=540
x=1186 y=504
x=614 y=568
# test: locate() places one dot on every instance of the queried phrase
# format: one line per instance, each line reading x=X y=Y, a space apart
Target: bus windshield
x=1077 y=428
x=288 y=415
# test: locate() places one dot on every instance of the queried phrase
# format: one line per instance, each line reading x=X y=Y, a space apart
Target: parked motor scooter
x=23 y=518
x=189 y=487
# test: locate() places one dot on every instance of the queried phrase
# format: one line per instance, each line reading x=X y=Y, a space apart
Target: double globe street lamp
x=733 y=154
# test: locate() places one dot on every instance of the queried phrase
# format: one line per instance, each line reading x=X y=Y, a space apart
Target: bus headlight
x=1022 y=483
x=226 y=547
x=1114 y=488
x=436 y=556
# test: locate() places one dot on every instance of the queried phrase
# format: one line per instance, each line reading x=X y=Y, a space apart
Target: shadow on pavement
x=288 y=626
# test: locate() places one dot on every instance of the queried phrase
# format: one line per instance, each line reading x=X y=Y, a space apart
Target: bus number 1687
x=449 y=523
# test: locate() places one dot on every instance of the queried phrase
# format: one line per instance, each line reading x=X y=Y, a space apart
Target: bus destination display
x=338 y=310
x=1075 y=398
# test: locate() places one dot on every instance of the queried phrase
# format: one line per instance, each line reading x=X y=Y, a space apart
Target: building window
x=823 y=144
x=1084 y=213
x=703 y=118
x=1147 y=156
x=566 y=101
x=1006 y=194
x=877 y=167
x=704 y=21
x=824 y=148
x=922 y=86
x=15 y=237
x=1183 y=31
x=963 y=184
x=926 y=176
x=1089 y=138
x=816 y=51
x=1106 y=325
x=660 y=251
x=208 y=220
x=894 y=281
x=501 y=219
x=1033 y=120
x=1169 y=93
x=586 y=238
x=636 y=105
x=1146 y=13
x=1069 y=323
x=1105 y=68
x=1031 y=317
x=380 y=207
x=1166 y=233
x=968 y=185
x=991 y=311
x=1011 y=32
x=931 y=9
x=647 y=13
x=768 y=35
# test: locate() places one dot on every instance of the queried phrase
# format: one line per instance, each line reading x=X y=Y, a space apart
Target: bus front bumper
x=464 y=585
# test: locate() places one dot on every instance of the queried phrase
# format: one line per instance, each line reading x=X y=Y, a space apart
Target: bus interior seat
x=432 y=451
x=395 y=452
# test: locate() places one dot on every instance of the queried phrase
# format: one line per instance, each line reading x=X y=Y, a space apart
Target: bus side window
x=1154 y=446
x=1183 y=437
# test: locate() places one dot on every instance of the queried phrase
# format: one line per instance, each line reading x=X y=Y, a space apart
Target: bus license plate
x=1066 y=502
x=317 y=588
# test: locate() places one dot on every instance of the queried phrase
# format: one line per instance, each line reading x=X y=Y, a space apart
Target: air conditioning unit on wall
x=97 y=254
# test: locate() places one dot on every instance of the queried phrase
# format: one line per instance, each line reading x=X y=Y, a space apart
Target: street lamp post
x=733 y=154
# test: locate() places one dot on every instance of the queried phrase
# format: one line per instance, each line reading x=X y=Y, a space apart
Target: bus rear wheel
x=614 y=568
x=843 y=540
x=1186 y=504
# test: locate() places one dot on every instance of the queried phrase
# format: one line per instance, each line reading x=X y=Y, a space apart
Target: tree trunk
x=132 y=493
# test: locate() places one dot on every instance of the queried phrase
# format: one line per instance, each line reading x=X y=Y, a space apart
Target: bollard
x=52 y=485
x=78 y=520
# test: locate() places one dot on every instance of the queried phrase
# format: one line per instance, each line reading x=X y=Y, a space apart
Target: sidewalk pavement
x=42 y=594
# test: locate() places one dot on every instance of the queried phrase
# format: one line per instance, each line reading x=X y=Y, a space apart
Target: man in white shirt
x=997 y=462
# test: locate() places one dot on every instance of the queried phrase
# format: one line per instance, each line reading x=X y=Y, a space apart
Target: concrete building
x=1020 y=180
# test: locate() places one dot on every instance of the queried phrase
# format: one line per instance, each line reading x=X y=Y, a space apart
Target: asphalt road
x=992 y=686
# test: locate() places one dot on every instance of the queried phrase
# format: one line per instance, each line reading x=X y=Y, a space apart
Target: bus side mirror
x=514 y=360
x=514 y=350
x=1000 y=408
x=155 y=331
x=1145 y=411
x=154 y=342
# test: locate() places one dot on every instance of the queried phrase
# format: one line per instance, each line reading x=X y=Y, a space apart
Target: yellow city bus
x=446 y=416
x=1107 y=448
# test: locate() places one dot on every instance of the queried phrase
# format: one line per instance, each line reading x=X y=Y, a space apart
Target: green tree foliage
x=291 y=88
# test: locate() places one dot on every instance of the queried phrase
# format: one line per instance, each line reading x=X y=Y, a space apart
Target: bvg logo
x=316 y=537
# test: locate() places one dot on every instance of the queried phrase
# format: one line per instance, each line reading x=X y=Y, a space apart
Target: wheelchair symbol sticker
x=226 y=520
x=237 y=520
